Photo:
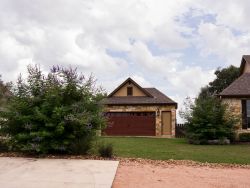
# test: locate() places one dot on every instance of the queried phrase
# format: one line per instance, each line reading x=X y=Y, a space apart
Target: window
x=248 y=113
x=245 y=114
x=129 y=91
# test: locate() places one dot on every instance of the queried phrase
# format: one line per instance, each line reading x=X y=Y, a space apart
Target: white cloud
x=177 y=79
x=141 y=80
x=12 y=55
x=190 y=80
x=79 y=33
x=140 y=54
x=231 y=13
x=181 y=77
x=219 y=40
x=227 y=36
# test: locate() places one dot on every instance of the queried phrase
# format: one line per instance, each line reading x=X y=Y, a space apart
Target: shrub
x=105 y=150
x=54 y=113
x=3 y=145
x=82 y=145
x=244 y=137
x=208 y=119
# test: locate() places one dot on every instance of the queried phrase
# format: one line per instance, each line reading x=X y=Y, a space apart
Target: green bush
x=54 y=113
x=105 y=150
x=3 y=145
x=82 y=145
x=244 y=137
x=208 y=119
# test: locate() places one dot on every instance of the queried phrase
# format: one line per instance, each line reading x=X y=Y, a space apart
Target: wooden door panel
x=166 y=123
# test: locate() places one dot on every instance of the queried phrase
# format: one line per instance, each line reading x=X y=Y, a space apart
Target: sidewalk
x=55 y=173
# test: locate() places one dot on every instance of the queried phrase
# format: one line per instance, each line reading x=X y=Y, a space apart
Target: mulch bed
x=51 y=156
x=173 y=163
x=131 y=161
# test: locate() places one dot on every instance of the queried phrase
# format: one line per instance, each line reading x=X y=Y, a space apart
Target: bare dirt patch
x=185 y=174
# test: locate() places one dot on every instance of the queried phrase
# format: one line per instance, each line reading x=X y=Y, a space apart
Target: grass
x=178 y=149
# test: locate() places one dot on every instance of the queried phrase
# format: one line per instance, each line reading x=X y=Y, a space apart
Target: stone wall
x=234 y=107
x=148 y=108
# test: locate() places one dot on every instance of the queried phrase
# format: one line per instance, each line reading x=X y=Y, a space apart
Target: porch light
x=158 y=112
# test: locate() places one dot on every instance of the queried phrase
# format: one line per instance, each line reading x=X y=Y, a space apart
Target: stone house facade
x=136 y=111
x=237 y=96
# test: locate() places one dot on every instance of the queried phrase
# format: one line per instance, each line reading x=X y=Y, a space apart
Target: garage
x=130 y=124
x=136 y=111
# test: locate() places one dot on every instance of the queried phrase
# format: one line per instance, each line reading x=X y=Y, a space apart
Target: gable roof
x=154 y=97
x=239 y=88
x=132 y=81
x=245 y=60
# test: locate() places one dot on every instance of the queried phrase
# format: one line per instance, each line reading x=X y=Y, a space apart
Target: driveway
x=56 y=173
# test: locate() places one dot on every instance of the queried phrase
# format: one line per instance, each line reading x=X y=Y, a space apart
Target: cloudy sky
x=174 y=46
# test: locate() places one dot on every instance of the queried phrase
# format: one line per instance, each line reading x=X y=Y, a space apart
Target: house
x=237 y=96
x=136 y=111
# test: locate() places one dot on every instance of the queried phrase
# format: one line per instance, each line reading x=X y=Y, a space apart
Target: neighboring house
x=237 y=95
x=136 y=111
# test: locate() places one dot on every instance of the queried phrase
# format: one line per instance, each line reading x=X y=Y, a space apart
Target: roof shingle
x=240 y=87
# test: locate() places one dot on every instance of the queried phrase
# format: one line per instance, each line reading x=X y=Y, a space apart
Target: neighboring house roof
x=244 y=61
x=241 y=86
x=154 y=96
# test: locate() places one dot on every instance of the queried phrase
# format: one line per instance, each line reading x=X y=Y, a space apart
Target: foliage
x=244 y=137
x=207 y=119
x=224 y=77
x=57 y=112
x=105 y=150
x=83 y=144
x=3 y=145
x=4 y=92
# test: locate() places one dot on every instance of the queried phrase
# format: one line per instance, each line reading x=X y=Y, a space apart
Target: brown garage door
x=131 y=124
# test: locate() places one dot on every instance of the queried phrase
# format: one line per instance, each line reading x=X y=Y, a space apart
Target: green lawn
x=164 y=148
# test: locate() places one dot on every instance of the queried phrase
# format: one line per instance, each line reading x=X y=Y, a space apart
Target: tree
x=57 y=112
x=224 y=77
x=4 y=92
x=208 y=119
